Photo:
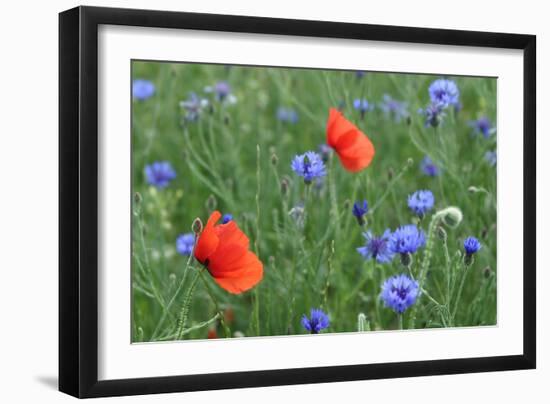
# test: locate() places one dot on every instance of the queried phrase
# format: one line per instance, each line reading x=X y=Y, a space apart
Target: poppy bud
x=226 y=120
x=452 y=216
x=284 y=186
x=408 y=120
x=406 y=259
x=274 y=159
x=410 y=161
x=196 y=227
x=391 y=173
x=487 y=272
x=271 y=261
x=172 y=277
x=468 y=259
x=137 y=198
x=211 y=203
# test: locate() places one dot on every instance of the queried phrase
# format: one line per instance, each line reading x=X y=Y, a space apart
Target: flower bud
x=406 y=259
x=274 y=159
x=285 y=185
x=452 y=216
x=468 y=259
x=137 y=198
x=196 y=227
x=487 y=272
x=211 y=203
x=226 y=120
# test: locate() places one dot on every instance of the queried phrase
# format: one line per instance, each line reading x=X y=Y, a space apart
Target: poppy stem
x=226 y=330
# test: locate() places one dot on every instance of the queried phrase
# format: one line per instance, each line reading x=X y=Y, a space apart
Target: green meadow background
x=234 y=158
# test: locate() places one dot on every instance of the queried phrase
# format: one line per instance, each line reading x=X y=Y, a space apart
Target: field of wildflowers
x=276 y=201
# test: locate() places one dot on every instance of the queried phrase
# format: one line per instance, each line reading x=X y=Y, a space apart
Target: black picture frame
x=78 y=201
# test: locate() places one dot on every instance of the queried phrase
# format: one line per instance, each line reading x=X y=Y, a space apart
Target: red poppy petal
x=230 y=233
x=337 y=126
x=208 y=240
x=352 y=146
x=248 y=271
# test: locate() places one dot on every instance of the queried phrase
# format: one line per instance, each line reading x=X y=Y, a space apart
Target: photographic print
x=271 y=201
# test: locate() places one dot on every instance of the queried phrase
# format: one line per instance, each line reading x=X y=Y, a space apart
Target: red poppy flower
x=353 y=147
x=223 y=250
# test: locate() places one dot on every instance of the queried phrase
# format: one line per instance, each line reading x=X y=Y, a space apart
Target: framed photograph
x=251 y=201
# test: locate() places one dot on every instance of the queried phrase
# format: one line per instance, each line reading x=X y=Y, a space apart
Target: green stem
x=257 y=241
x=390 y=186
x=185 y=308
x=425 y=264
x=176 y=293
x=329 y=270
x=459 y=293
x=194 y=328
x=216 y=305
x=400 y=321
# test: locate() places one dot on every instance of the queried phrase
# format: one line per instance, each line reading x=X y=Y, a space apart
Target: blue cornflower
x=428 y=167
x=317 y=321
x=325 y=150
x=360 y=74
x=142 y=89
x=362 y=105
x=185 y=243
x=433 y=115
x=421 y=202
x=227 y=218
x=399 y=292
x=287 y=115
x=222 y=92
x=491 y=158
x=159 y=174
x=471 y=245
x=444 y=92
x=359 y=210
x=308 y=165
x=482 y=125
x=407 y=239
x=193 y=106
x=377 y=248
x=393 y=108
